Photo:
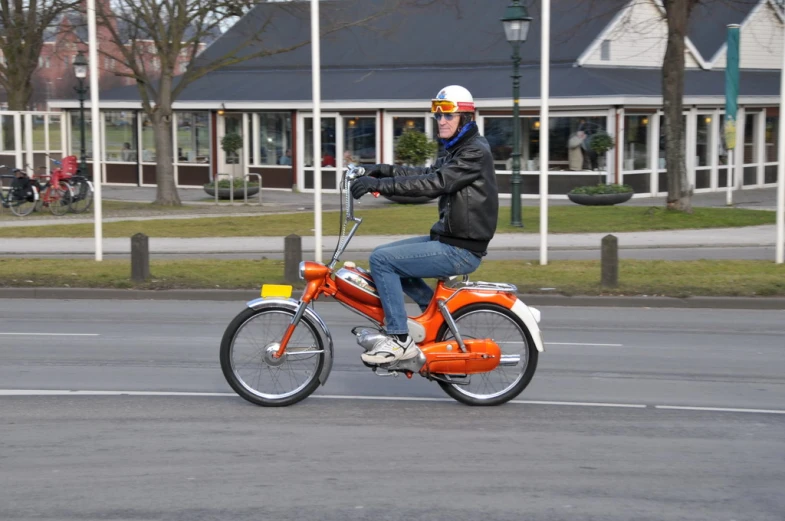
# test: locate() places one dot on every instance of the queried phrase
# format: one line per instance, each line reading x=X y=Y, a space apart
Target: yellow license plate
x=276 y=290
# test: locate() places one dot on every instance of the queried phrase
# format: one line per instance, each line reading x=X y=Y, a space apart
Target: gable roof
x=708 y=22
x=418 y=34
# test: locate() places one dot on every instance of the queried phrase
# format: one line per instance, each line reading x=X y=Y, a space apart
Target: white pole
x=96 y=126
x=729 y=193
x=781 y=166
x=317 y=130
x=545 y=64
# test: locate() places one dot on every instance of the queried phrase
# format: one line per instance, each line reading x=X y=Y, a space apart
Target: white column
x=690 y=145
x=545 y=80
x=175 y=142
x=28 y=140
x=618 y=153
x=714 y=150
x=760 y=146
x=18 y=138
x=316 y=89
x=257 y=136
x=654 y=152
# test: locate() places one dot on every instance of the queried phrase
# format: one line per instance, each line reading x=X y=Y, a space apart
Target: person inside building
x=464 y=181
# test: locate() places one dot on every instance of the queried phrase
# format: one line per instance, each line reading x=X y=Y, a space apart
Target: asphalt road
x=634 y=413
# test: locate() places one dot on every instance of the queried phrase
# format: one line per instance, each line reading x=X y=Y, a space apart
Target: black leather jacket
x=464 y=180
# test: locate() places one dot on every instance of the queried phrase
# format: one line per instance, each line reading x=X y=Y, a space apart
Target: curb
x=758 y=303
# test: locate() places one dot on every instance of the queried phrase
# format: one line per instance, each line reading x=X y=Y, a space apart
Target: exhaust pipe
x=510 y=360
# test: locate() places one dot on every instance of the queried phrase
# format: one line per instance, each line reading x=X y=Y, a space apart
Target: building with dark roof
x=377 y=80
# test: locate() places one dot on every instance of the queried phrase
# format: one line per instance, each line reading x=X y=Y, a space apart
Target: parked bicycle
x=22 y=196
x=55 y=193
x=82 y=187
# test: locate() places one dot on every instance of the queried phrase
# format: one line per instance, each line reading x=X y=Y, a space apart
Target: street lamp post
x=80 y=71
x=516 y=23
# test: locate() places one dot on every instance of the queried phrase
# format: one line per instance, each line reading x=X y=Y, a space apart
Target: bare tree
x=677 y=15
x=23 y=28
x=149 y=36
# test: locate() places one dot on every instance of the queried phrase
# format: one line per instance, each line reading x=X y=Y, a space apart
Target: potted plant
x=413 y=148
x=602 y=194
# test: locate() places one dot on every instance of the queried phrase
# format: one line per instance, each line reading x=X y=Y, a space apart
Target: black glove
x=363 y=185
x=378 y=171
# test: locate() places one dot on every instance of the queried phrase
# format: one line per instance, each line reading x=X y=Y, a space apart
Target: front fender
x=327 y=339
x=530 y=317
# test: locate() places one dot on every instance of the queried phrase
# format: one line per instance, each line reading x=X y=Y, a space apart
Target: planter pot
x=600 y=199
x=225 y=193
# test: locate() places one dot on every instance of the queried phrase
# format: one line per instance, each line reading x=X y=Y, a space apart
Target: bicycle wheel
x=60 y=198
x=506 y=381
x=20 y=206
x=249 y=368
x=83 y=196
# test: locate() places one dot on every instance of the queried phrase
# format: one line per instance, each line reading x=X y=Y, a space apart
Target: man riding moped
x=464 y=180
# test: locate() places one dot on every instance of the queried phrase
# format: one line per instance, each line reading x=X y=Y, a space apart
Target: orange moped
x=479 y=341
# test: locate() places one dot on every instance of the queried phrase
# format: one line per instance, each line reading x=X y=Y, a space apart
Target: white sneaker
x=389 y=349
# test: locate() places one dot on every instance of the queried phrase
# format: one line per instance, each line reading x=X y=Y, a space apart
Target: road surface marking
x=50 y=334
x=60 y=392
x=581 y=344
x=717 y=409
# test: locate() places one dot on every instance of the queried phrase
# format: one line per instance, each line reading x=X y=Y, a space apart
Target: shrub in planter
x=601 y=194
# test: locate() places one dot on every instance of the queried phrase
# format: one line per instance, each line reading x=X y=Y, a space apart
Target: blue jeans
x=399 y=267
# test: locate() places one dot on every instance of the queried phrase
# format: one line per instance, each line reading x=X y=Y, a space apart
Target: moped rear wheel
x=509 y=379
x=252 y=371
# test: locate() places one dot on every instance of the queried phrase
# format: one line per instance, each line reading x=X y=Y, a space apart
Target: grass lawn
x=666 y=278
x=414 y=219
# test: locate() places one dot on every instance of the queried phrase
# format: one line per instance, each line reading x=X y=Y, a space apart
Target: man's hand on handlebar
x=363 y=185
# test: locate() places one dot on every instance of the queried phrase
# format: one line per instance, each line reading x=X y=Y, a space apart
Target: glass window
x=275 y=138
x=120 y=133
x=55 y=132
x=772 y=133
x=328 y=142
x=148 y=140
x=9 y=143
x=569 y=143
x=401 y=124
x=193 y=139
x=749 y=139
x=498 y=132
x=704 y=141
x=359 y=140
x=76 y=134
x=636 y=142
x=39 y=131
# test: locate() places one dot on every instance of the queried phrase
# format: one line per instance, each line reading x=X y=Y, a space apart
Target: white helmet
x=453 y=98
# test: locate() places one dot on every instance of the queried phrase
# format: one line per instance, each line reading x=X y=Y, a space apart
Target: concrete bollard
x=292 y=256
x=609 y=261
x=140 y=258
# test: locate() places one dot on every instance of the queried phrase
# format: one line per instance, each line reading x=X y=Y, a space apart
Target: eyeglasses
x=438 y=116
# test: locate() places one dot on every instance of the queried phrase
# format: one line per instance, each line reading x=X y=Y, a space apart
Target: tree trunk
x=166 y=193
x=19 y=91
x=679 y=192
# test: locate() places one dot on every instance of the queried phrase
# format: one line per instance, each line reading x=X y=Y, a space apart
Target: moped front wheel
x=519 y=354
x=253 y=372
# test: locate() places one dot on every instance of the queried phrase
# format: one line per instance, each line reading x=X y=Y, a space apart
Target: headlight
x=302 y=270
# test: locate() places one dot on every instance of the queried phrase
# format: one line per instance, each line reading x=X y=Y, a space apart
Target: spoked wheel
x=20 y=206
x=83 y=196
x=519 y=355
x=60 y=198
x=248 y=365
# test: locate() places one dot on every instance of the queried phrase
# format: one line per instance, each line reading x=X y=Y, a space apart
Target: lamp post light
x=516 y=23
x=80 y=71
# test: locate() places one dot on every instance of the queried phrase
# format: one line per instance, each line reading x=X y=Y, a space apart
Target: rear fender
x=327 y=339
x=530 y=317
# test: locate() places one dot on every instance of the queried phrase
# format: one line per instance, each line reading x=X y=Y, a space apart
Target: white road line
x=50 y=334
x=717 y=409
x=60 y=392
x=581 y=344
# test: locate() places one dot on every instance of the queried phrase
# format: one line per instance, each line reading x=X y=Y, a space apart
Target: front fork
x=290 y=330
